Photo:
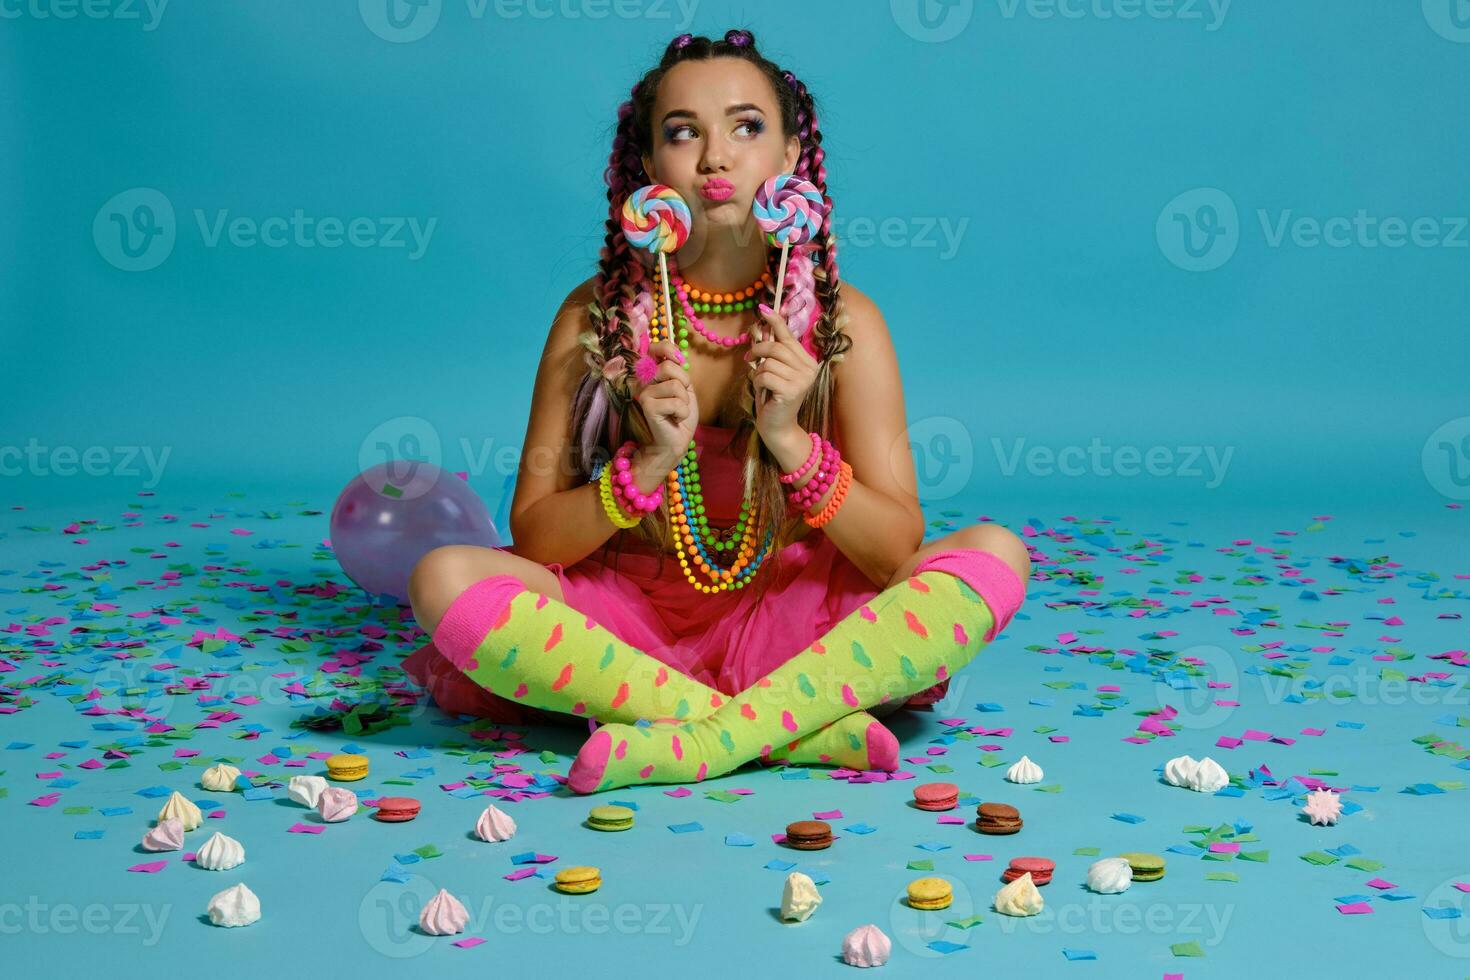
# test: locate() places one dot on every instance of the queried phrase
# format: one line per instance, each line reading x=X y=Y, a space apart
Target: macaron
x=936 y=796
x=346 y=767
x=611 y=817
x=997 y=818
x=578 y=880
x=930 y=893
x=1038 y=868
x=1145 y=867
x=396 y=809
x=809 y=835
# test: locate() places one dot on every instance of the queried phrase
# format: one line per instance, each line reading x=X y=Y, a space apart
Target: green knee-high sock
x=907 y=638
x=530 y=648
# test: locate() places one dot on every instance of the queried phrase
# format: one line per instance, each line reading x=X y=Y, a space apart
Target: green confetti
x=923 y=864
x=1190 y=948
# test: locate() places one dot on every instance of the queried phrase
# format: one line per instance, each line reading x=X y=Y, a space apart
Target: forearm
x=877 y=533
x=569 y=525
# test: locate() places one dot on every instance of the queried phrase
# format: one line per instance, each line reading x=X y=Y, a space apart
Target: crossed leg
x=489 y=610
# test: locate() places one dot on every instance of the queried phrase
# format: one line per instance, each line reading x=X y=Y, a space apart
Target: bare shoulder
x=863 y=324
x=572 y=318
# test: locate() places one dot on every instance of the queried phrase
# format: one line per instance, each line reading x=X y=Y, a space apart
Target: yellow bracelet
x=616 y=514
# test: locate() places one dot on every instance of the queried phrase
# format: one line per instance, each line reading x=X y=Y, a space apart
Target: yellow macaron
x=579 y=880
x=345 y=767
x=930 y=893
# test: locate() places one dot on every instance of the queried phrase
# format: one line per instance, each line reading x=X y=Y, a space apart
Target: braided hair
x=605 y=411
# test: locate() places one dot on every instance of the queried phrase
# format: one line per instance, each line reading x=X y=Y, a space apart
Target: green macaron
x=610 y=817
x=1145 y=867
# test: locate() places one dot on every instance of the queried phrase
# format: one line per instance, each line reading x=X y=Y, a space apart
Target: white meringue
x=1024 y=771
x=799 y=897
x=1203 y=776
x=167 y=836
x=495 y=825
x=235 y=906
x=1178 y=770
x=306 y=790
x=444 y=915
x=1020 y=897
x=179 y=808
x=220 y=853
x=866 y=946
x=1210 y=777
x=1110 y=876
x=220 y=778
x=336 y=804
x=1323 y=808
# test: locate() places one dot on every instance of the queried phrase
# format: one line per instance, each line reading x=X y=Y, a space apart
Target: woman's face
x=716 y=123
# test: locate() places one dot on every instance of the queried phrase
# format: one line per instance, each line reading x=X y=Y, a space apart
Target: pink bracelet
x=811 y=461
x=814 y=490
x=633 y=501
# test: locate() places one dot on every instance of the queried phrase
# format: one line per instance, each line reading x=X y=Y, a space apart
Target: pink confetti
x=1356 y=908
x=150 y=867
x=979 y=857
x=306 y=828
x=469 y=942
x=679 y=793
x=827 y=815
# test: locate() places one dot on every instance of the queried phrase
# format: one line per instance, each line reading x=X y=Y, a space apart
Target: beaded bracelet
x=613 y=510
x=844 y=480
x=814 y=489
x=811 y=461
x=634 y=501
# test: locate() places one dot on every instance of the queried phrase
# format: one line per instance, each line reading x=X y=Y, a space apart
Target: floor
x=1295 y=647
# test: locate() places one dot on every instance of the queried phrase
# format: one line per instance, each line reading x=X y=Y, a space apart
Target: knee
x=1000 y=541
x=435 y=579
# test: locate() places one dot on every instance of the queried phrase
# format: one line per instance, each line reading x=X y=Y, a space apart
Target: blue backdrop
x=1223 y=244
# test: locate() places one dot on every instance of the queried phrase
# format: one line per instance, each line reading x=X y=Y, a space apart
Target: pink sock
x=986 y=573
x=472 y=614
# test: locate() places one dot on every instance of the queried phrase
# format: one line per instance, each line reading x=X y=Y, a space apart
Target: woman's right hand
x=669 y=404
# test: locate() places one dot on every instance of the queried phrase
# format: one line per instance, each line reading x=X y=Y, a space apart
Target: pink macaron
x=936 y=796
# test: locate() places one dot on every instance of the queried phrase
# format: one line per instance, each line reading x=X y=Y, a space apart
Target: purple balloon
x=392 y=514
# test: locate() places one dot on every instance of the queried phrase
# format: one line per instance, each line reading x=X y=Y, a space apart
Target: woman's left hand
x=783 y=376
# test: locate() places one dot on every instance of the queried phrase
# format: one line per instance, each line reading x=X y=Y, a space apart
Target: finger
x=772 y=374
x=672 y=388
x=779 y=330
x=666 y=350
x=670 y=371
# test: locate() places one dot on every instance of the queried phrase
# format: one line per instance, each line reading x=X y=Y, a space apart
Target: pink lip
x=717 y=190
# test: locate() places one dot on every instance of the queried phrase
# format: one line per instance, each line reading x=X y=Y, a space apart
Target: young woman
x=769 y=514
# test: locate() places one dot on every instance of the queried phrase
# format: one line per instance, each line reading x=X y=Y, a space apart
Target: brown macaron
x=809 y=835
x=997 y=818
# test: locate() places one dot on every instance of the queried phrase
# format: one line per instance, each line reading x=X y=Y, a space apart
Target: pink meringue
x=1323 y=807
x=444 y=915
x=167 y=836
x=336 y=804
x=494 y=825
x=866 y=946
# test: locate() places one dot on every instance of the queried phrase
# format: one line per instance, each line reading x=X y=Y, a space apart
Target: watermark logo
x=932 y=21
x=148 y=13
x=400 y=21
x=1199 y=230
x=1211 y=13
x=1196 y=697
x=1450 y=19
x=915 y=929
x=1099 y=459
x=388 y=917
x=135 y=230
x=404 y=444
x=1446 y=458
x=35 y=917
x=1446 y=931
x=943 y=456
x=37 y=459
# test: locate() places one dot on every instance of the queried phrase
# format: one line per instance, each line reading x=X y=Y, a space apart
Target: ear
x=793 y=153
x=648 y=168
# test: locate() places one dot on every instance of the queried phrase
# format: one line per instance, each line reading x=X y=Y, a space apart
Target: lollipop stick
x=663 y=268
x=781 y=275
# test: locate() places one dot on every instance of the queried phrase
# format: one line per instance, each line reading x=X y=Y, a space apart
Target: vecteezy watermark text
x=1098 y=459
x=35 y=459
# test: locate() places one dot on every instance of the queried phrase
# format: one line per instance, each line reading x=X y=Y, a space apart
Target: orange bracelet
x=844 y=480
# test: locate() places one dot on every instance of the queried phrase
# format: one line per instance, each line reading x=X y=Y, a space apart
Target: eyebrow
x=742 y=107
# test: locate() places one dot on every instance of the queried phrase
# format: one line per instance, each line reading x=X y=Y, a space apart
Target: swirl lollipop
x=790 y=210
x=656 y=220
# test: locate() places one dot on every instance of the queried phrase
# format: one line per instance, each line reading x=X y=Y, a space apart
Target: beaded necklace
x=686 y=499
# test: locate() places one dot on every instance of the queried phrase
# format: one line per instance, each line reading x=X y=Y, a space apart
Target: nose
x=714 y=158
